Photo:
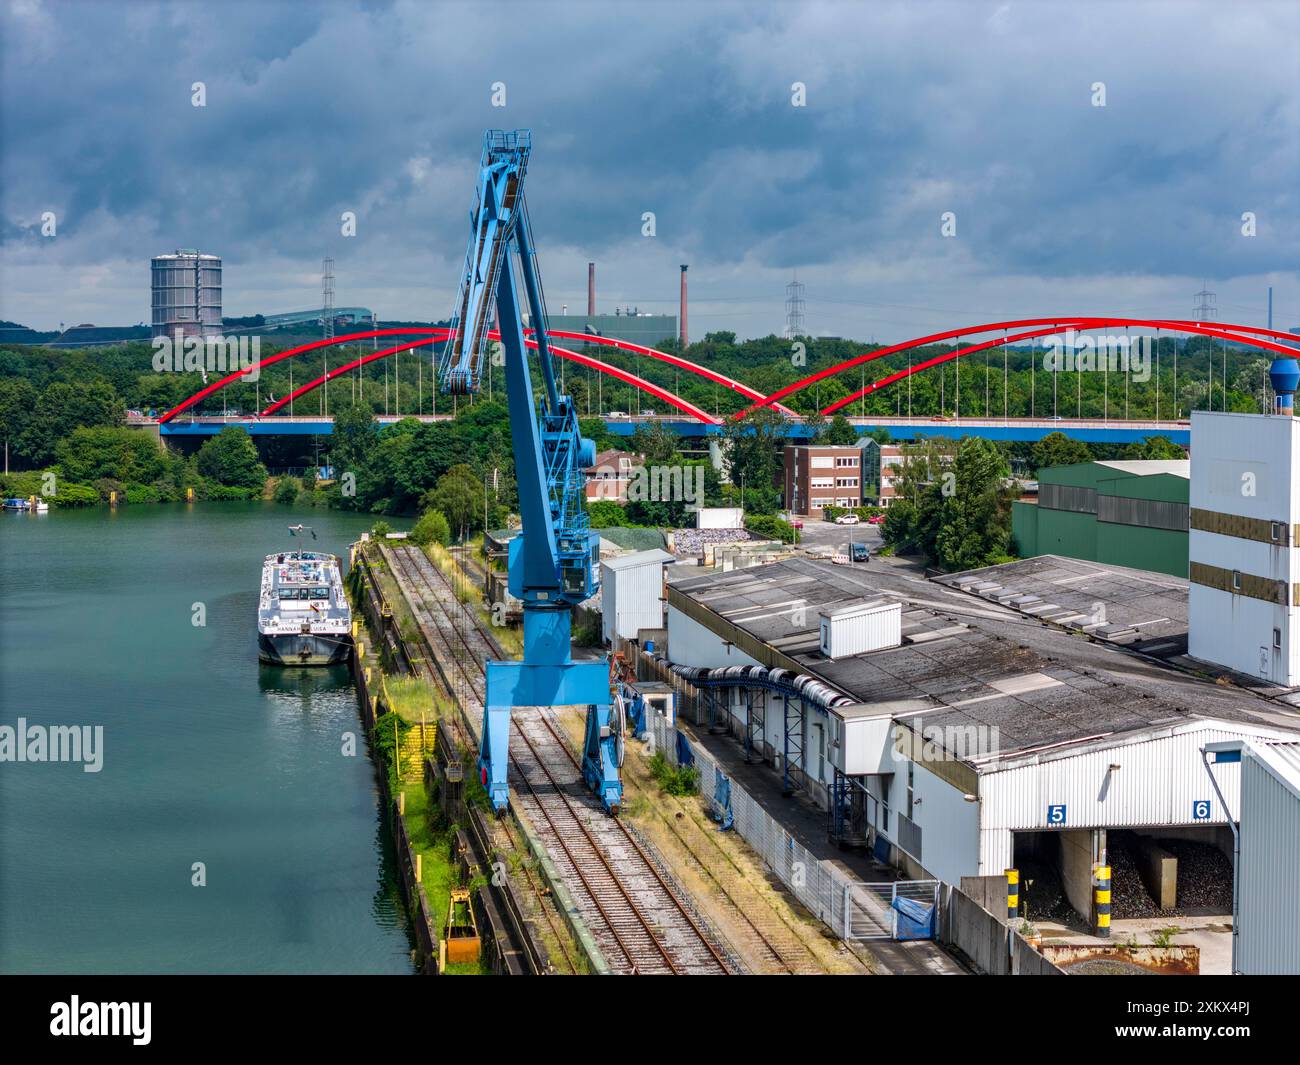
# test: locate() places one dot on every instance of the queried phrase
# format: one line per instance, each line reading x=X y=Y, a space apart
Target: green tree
x=127 y=455
x=753 y=461
x=459 y=496
x=974 y=510
x=1057 y=449
x=656 y=442
x=841 y=432
x=912 y=522
x=230 y=458
x=63 y=407
x=1155 y=447
x=353 y=440
x=288 y=490
x=432 y=528
x=771 y=527
x=606 y=514
x=17 y=400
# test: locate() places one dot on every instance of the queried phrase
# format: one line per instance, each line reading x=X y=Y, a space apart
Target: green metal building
x=1132 y=514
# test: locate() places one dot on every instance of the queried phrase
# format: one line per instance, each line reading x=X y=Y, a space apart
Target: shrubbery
x=771 y=527
x=288 y=490
x=432 y=528
x=675 y=780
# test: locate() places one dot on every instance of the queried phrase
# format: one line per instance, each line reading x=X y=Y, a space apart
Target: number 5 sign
x=1056 y=814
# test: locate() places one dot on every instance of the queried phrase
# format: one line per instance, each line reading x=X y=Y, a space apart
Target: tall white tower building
x=1244 y=544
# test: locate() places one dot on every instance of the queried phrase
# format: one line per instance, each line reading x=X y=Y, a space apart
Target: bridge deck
x=1092 y=430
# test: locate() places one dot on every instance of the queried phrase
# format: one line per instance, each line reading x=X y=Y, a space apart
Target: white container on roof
x=857 y=628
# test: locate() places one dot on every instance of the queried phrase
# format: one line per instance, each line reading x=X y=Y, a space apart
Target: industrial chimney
x=683 y=326
x=591 y=290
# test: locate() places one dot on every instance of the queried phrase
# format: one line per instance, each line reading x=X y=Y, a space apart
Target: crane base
x=511 y=684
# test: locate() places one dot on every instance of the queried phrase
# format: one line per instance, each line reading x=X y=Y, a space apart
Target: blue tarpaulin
x=722 y=801
x=684 y=755
x=881 y=851
x=636 y=715
x=915 y=919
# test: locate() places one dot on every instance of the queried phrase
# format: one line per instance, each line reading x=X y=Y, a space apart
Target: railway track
x=637 y=917
x=465 y=740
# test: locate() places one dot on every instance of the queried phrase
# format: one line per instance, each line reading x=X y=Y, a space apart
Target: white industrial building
x=1266 y=924
x=632 y=589
x=1243 y=549
x=966 y=738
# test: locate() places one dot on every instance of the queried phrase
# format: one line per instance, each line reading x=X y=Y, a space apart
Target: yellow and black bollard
x=1102 y=899
x=1013 y=893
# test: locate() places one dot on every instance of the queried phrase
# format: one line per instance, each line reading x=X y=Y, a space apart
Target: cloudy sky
x=983 y=109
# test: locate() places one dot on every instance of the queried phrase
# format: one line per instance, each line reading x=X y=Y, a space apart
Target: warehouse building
x=958 y=741
x=1125 y=513
x=1266 y=925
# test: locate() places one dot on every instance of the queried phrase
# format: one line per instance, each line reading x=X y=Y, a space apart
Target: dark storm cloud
x=681 y=109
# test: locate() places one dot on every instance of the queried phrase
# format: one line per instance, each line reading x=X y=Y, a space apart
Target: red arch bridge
x=688 y=419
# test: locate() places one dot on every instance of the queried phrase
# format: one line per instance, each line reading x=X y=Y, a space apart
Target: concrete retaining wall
x=1076 y=870
x=984 y=938
x=974 y=931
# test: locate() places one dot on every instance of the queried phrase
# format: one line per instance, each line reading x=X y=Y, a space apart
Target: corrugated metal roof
x=1147 y=467
x=638 y=558
x=970 y=663
x=1282 y=760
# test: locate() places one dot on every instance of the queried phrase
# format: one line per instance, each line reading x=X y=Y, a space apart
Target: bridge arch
x=671 y=398
x=1061 y=323
x=437 y=334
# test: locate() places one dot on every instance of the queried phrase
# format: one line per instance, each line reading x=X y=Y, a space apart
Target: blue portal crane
x=552 y=562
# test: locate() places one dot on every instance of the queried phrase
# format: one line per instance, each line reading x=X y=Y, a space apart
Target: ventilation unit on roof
x=858 y=628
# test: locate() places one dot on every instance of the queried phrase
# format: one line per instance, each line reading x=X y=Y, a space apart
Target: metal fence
x=852 y=908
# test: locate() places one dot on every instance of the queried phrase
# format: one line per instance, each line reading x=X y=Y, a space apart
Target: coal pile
x=1042 y=897
x=693 y=541
x=1204 y=875
x=1204 y=878
x=1129 y=897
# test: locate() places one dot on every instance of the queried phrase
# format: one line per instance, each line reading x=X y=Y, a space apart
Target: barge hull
x=303 y=649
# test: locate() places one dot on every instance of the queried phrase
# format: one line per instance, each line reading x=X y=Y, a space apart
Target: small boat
x=32 y=504
x=303 y=614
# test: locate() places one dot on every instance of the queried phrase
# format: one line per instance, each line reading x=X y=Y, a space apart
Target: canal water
x=208 y=757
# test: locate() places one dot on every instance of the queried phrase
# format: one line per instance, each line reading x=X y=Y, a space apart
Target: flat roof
x=965 y=662
x=1148 y=467
x=1135 y=608
x=638 y=558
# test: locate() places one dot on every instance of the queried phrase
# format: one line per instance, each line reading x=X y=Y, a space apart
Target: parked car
x=847 y=519
x=617 y=414
x=876 y=519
